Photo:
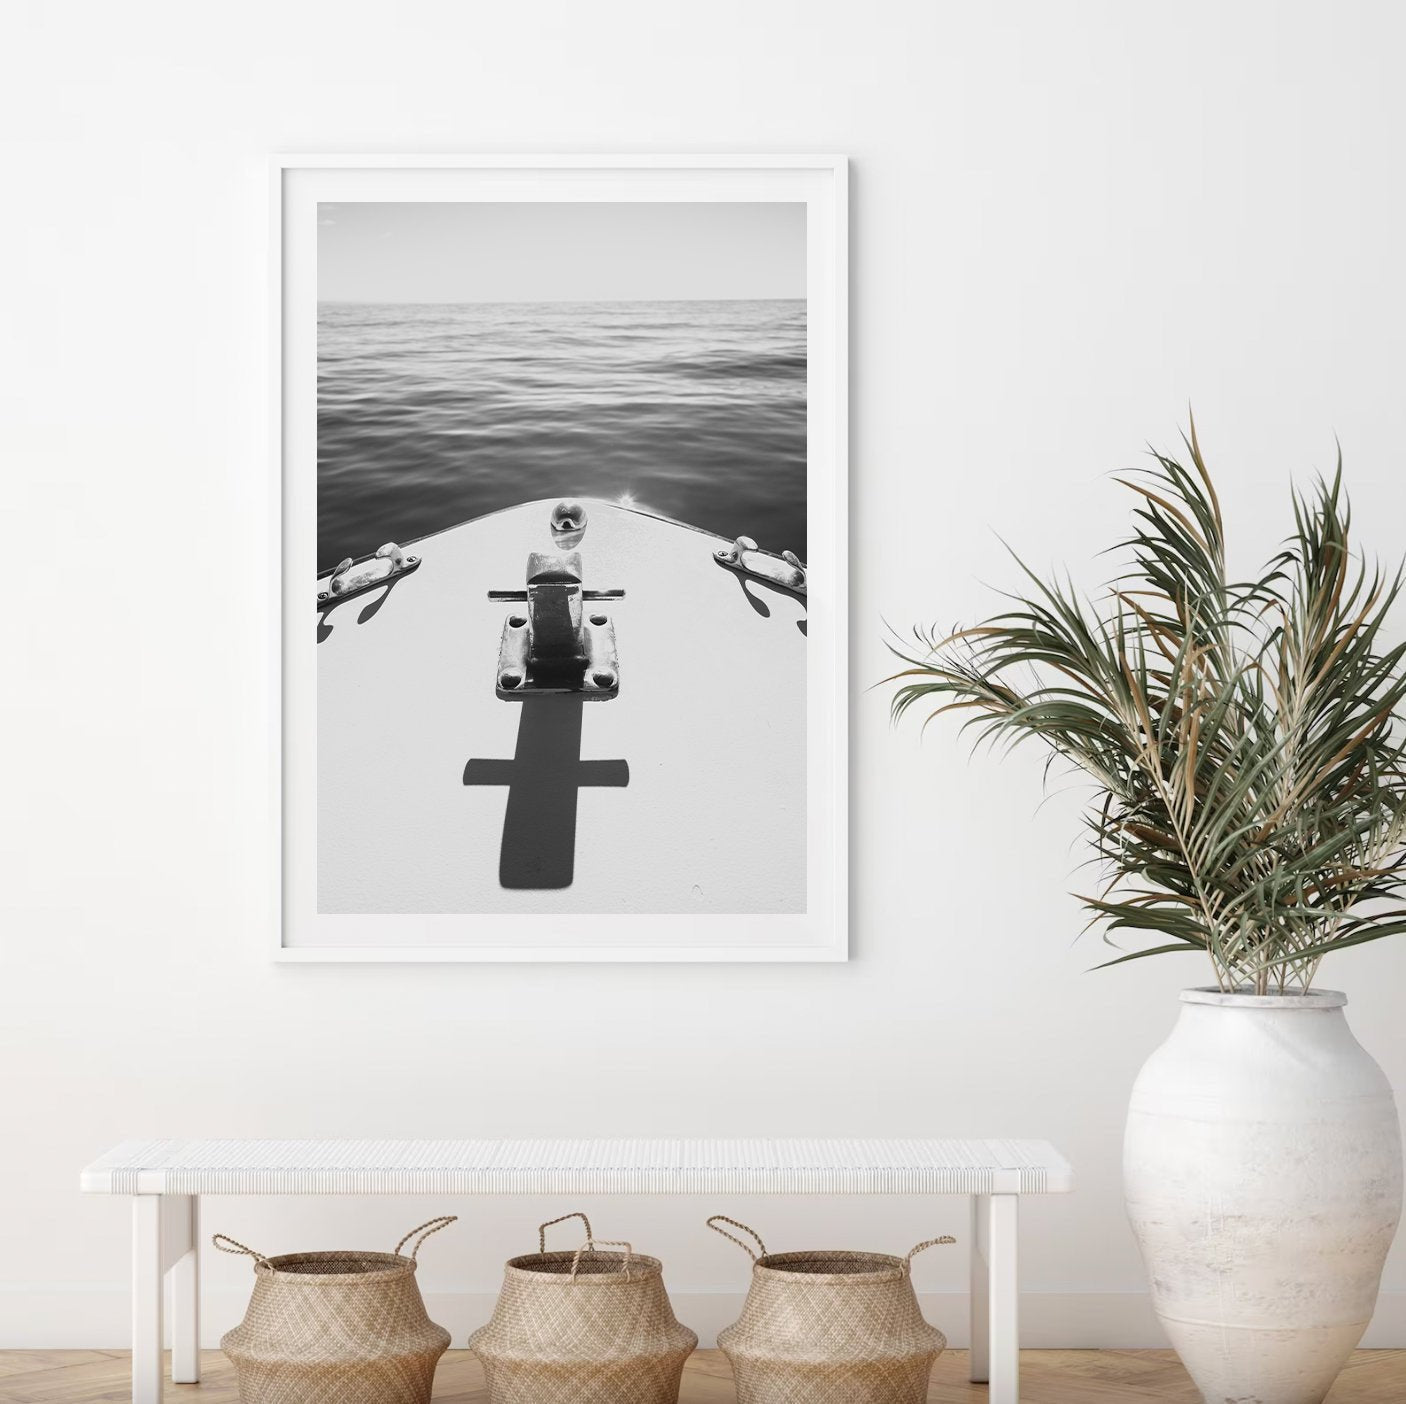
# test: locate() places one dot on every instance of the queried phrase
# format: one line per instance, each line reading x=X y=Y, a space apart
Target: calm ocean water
x=430 y=415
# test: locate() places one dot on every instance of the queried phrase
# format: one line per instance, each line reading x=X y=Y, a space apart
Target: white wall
x=1069 y=221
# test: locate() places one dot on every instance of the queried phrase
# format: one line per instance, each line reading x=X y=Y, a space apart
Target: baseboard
x=99 y=1318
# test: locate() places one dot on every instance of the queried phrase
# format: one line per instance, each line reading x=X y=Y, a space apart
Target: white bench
x=167 y=1178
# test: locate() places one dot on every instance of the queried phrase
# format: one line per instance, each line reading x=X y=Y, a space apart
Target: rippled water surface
x=431 y=415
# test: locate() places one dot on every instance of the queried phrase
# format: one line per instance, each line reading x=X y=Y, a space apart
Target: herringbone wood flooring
x=1048 y=1377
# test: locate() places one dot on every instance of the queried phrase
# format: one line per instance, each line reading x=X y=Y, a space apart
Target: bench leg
x=980 y=1298
x=185 y=1292
x=995 y=1288
x=148 y=1281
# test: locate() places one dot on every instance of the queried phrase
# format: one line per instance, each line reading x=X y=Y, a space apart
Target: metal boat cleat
x=568 y=524
x=557 y=646
x=748 y=560
x=353 y=577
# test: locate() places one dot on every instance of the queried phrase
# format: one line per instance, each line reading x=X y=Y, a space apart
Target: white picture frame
x=819 y=933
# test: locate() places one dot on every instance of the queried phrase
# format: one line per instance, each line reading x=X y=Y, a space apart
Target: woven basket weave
x=830 y=1327
x=588 y=1327
x=336 y=1328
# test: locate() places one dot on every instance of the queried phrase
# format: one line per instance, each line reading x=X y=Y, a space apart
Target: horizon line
x=526 y=301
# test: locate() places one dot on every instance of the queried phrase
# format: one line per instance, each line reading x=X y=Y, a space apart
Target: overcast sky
x=577 y=252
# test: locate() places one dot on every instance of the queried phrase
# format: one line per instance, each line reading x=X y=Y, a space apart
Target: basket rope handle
x=542 y=1229
x=239 y=1249
x=922 y=1247
x=425 y=1231
x=723 y=1219
x=593 y=1244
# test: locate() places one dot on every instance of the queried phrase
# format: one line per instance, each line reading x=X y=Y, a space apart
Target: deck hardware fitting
x=747 y=559
x=352 y=577
x=555 y=649
x=568 y=524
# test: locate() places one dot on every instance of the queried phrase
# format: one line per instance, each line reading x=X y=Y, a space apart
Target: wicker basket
x=830 y=1328
x=336 y=1328
x=588 y=1327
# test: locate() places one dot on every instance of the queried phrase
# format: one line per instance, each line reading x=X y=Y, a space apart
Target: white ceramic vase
x=1262 y=1169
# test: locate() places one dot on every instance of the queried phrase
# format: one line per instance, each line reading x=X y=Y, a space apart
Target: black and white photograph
x=563 y=567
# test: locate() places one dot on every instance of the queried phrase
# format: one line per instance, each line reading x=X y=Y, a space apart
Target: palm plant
x=1243 y=735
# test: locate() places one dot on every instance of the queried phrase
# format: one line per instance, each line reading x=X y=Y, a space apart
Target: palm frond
x=1245 y=735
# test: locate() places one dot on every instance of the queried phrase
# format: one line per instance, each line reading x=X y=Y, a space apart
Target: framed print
x=561 y=450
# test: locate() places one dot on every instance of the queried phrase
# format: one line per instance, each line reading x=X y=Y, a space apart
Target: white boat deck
x=436 y=796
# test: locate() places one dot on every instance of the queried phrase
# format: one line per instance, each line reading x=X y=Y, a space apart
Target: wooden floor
x=1048 y=1377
